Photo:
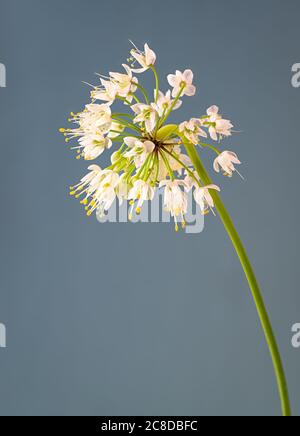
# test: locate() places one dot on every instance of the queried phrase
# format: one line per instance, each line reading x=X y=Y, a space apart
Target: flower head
x=146 y=59
x=226 y=161
x=182 y=82
x=148 y=152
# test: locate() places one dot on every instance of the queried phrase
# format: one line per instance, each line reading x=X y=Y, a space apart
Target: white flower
x=123 y=188
x=191 y=180
x=105 y=194
x=165 y=102
x=218 y=126
x=87 y=180
x=146 y=59
x=107 y=92
x=145 y=114
x=192 y=130
x=175 y=199
x=142 y=192
x=183 y=81
x=125 y=83
x=117 y=129
x=139 y=150
x=203 y=197
x=93 y=145
x=96 y=117
x=98 y=188
x=226 y=161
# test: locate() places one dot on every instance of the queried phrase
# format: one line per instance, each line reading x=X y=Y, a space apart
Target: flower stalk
x=254 y=286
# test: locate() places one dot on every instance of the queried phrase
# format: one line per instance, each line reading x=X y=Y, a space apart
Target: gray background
x=134 y=319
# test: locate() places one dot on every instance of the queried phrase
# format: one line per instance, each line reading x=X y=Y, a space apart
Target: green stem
x=156 y=83
x=258 y=299
x=203 y=144
x=167 y=165
x=143 y=91
x=126 y=124
x=164 y=119
x=183 y=166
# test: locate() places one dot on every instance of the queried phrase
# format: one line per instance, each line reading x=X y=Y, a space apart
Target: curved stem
x=258 y=299
x=156 y=83
x=164 y=119
x=143 y=91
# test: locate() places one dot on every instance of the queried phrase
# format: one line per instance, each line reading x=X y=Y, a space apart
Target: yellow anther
x=183 y=224
x=205 y=212
x=72 y=193
x=89 y=213
x=67 y=140
x=130 y=217
x=131 y=202
x=138 y=211
x=78 y=157
x=62 y=130
x=84 y=202
x=176 y=228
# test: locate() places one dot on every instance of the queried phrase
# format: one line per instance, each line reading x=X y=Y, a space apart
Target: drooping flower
x=175 y=200
x=146 y=59
x=125 y=83
x=182 y=82
x=107 y=92
x=164 y=103
x=115 y=130
x=145 y=114
x=98 y=189
x=87 y=181
x=226 y=162
x=203 y=197
x=106 y=193
x=93 y=145
x=193 y=130
x=218 y=127
x=140 y=192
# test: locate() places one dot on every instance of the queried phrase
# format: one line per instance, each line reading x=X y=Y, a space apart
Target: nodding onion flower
x=148 y=154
